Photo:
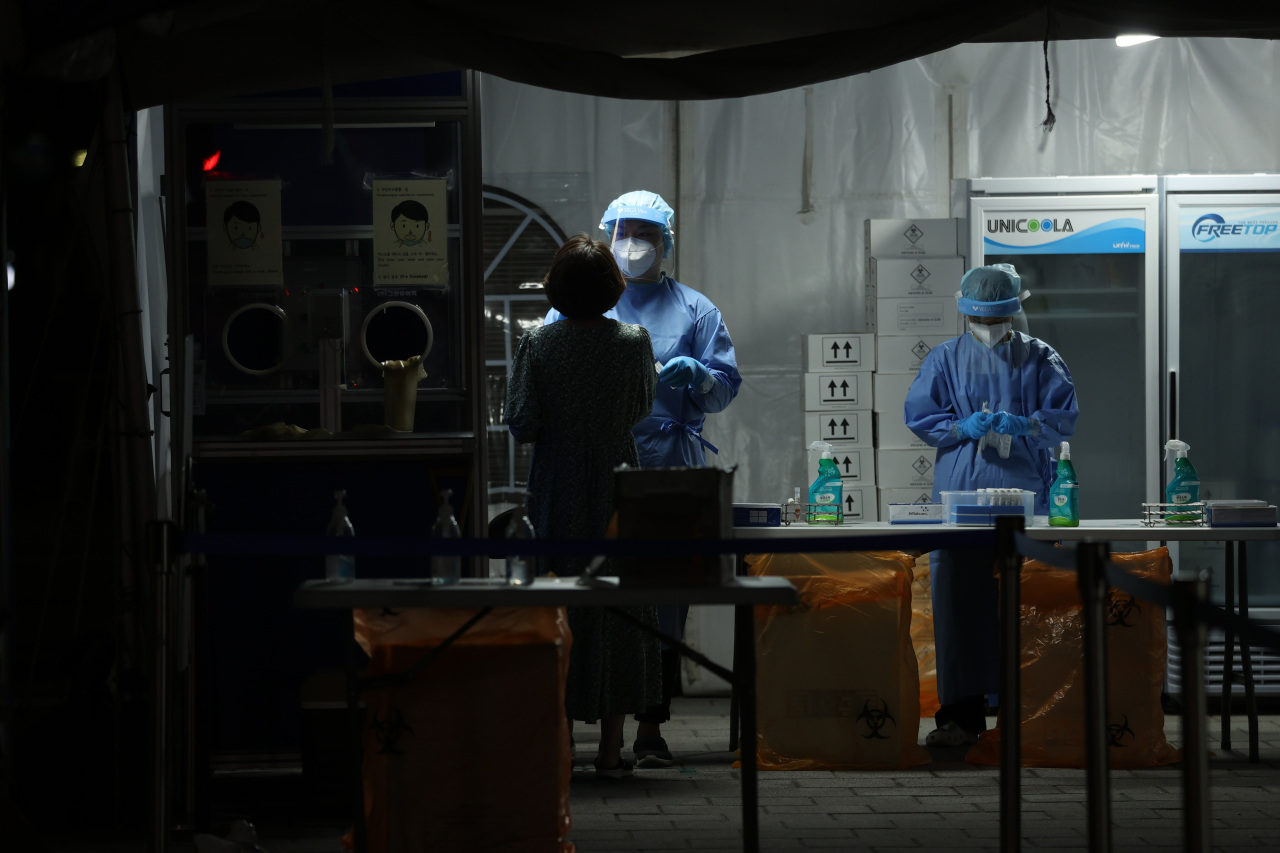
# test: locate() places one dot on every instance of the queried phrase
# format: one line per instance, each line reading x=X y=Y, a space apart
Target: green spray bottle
x=1063 y=509
x=826 y=494
x=1184 y=488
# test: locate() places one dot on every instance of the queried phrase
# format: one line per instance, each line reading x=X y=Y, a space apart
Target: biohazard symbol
x=1119 y=733
x=1120 y=607
x=389 y=731
x=876 y=713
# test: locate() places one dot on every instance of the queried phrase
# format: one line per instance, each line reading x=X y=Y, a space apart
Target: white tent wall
x=775 y=237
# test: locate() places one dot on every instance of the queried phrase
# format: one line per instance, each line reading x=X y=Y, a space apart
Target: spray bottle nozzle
x=1180 y=448
x=823 y=446
x=1065 y=451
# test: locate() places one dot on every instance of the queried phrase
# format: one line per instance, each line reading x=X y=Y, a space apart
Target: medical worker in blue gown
x=697 y=376
x=994 y=402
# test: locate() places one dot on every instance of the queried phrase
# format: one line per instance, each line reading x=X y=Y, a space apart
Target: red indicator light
x=211 y=162
x=355 y=290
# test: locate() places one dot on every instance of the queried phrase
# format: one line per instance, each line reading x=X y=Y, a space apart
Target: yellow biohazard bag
x=922 y=637
x=836 y=679
x=473 y=754
x=1053 y=705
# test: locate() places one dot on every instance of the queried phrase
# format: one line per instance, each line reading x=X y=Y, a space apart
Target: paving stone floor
x=944 y=805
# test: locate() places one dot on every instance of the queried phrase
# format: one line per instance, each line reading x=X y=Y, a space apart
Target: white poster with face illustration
x=243 y=232
x=410 y=228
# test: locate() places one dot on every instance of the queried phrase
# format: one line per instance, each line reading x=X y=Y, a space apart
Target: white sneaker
x=950 y=734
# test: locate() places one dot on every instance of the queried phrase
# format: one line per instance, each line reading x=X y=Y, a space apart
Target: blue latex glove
x=975 y=426
x=683 y=370
x=1007 y=424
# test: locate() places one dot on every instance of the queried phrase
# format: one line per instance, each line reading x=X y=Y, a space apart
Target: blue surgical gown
x=1022 y=376
x=680 y=321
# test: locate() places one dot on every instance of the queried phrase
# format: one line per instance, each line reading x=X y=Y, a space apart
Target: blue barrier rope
x=280 y=545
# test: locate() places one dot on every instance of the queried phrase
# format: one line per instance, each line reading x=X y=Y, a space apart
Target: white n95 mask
x=990 y=335
x=634 y=257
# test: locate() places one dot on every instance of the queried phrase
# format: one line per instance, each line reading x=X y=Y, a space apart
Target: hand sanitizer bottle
x=339 y=568
x=446 y=568
x=826 y=494
x=1063 y=510
x=1184 y=488
x=520 y=567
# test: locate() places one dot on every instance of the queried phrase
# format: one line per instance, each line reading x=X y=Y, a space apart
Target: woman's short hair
x=584 y=280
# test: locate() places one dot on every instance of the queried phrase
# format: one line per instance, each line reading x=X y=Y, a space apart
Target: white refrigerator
x=1087 y=248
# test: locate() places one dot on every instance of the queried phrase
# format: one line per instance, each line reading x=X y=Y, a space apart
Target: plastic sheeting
x=836 y=680
x=1053 y=684
x=474 y=753
x=771 y=191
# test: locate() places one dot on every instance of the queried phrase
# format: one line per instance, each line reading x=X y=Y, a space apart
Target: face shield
x=990 y=304
x=640 y=235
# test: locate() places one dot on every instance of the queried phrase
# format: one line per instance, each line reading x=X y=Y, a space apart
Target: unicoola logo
x=1030 y=226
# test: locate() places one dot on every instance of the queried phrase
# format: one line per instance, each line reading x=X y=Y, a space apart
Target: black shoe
x=652 y=752
x=621 y=771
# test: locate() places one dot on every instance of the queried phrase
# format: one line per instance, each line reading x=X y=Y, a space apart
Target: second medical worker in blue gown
x=994 y=402
x=698 y=375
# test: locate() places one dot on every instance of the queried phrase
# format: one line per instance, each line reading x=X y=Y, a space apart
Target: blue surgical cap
x=990 y=291
x=642 y=204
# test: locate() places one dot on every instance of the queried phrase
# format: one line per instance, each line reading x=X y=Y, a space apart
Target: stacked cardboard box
x=913 y=273
x=838 y=390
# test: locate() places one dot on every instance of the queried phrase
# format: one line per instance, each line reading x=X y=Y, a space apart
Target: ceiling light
x=1128 y=41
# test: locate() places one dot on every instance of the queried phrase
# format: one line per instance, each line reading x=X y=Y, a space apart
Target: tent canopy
x=172 y=52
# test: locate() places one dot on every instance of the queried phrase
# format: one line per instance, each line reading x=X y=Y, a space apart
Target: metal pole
x=1092 y=557
x=1246 y=656
x=1009 y=564
x=1192 y=637
x=1228 y=648
x=745 y=670
x=159 y=553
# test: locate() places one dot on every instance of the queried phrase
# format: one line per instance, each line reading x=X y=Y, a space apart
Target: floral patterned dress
x=576 y=391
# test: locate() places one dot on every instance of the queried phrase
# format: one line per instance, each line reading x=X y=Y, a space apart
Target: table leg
x=359 y=831
x=1246 y=657
x=745 y=676
x=1228 y=646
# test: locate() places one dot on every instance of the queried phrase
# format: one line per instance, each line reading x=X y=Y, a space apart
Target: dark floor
x=944 y=805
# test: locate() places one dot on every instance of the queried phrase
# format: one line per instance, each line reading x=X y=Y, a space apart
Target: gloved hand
x=1007 y=424
x=975 y=426
x=683 y=370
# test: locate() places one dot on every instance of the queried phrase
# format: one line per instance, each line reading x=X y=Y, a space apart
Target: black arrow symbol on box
x=844 y=423
x=844 y=388
x=847 y=347
x=831 y=387
x=832 y=426
x=835 y=349
x=848 y=500
x=848 y=464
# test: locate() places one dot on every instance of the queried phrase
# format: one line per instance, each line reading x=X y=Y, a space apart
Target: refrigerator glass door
x=1223 y=269
x=1092 y=266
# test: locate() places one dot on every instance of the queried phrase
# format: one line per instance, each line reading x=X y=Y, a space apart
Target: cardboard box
x=824 y=391
x=849 y=427
x=899 y=278
x=916 y=315
x=677 y=503
x=911 y=238
x=892 y=433
x=860 y=503
x=885 y=497
x=891 y=392
x=904 y=469
x=839 y=352
x=916 y=514
x=905 y=353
